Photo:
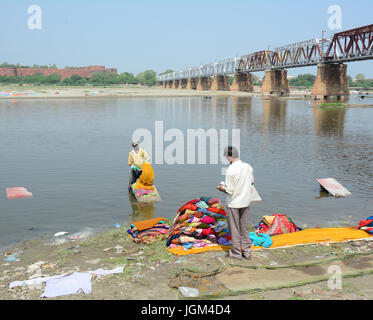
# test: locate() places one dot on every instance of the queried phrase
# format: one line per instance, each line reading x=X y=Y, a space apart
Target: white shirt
x=238 y=183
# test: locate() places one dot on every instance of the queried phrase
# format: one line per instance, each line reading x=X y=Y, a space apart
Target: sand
x=31 y=92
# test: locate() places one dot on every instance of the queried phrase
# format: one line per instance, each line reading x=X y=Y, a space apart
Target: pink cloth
x=17 y=193
x=212 y=201
x=207 y=220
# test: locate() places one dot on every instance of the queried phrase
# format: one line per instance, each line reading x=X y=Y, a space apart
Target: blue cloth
x=224 y=242
x=187 y=245
x=202 y=205
x=261 y=239
x=204 y=211
x=220 y=225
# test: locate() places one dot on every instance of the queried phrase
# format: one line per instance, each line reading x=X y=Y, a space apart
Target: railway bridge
x=329 y=55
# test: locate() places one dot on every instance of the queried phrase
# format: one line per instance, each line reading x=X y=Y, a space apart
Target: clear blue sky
x=137 y=35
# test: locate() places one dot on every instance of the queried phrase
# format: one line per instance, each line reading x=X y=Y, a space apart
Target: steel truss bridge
x=351 y=45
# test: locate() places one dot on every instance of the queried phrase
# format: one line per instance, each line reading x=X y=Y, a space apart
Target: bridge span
x=330 y=56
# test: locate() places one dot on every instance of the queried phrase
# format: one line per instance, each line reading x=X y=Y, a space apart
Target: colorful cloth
x=149 y=231
x=146 y=179
x=197 y=220
x=280 y=224
x=367 y=225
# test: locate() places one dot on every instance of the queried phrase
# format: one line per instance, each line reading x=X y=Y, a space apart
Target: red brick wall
x=7 y=72
x=65 y=73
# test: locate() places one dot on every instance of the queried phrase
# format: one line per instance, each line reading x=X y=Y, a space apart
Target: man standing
x=238 y=183
x=136 y=159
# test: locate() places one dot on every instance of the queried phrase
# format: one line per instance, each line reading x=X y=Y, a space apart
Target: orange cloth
x=307 y=236
x=147 y=224
x=146 y=179
x=316 y=236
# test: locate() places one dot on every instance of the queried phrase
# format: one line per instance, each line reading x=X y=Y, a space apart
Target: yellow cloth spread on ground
x=146 y=179
x=307 y=236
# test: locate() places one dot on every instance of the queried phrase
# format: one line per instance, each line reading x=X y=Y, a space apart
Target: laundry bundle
x=260 y=239
x=200 y=223
x=276 y=224
x=149 y=231
x=145 y=193
x=367 y=225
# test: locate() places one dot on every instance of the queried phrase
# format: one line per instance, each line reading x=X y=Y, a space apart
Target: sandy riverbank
x=31 y=92
x=150 y=270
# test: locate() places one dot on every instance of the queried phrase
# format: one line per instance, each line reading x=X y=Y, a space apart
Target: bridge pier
x=191 y=84
x=182 y=83
x=220 y=83
x=175 y=84
x=242 y=81
x=203 y=84
x=276 y=83
x=331 y=82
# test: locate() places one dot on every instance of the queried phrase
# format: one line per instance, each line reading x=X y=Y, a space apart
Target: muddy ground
x=148 y=269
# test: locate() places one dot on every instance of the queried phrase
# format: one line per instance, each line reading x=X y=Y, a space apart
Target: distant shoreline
x=36 y=92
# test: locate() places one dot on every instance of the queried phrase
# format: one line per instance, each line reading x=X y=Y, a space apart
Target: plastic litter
x=17 y=193
x=189 y=292
x=59 y=234
x=12 y=258
x=117 y=225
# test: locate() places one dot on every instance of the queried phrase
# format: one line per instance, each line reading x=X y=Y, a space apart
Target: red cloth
x=364 y=223
x=206 y=232
x=280 y=225
x=216 y=210
x=190 y=202
x=189 y=206
x=212 y=201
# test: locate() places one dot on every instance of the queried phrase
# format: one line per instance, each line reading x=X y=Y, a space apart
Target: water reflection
x=241 y=108
x=329 y=122
x=274 y=115
x=140 y=211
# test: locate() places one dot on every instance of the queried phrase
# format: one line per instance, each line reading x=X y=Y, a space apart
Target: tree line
x=147 y=78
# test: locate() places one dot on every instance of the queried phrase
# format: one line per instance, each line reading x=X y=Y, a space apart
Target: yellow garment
x=268 y=220
x=307 y=236
x=138 y=159
x=146 y=179
x=316 y=236
x=182 y=252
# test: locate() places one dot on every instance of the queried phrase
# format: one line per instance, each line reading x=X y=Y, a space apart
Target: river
x=72 y=155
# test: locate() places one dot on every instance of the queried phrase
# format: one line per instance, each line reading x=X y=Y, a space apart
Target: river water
x=72 y=155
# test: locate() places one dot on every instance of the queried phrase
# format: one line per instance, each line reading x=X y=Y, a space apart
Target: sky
x=137 y=35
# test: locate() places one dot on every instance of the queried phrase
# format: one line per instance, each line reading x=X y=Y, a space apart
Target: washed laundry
x=276 y=224
x=148 y=231
x=66 y=284
x=199 y=225
x=260 y=239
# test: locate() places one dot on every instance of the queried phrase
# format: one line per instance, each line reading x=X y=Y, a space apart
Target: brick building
x=85 y=72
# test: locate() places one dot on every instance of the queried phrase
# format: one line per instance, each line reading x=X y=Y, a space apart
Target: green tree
x=53 y=78
x=167 y=71
x=148 y=77
x=303 y=80
x=360 y=76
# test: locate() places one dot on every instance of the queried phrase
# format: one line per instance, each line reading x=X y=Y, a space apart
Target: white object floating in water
x=62 y=233
x=17 y=193
x=333 y=187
